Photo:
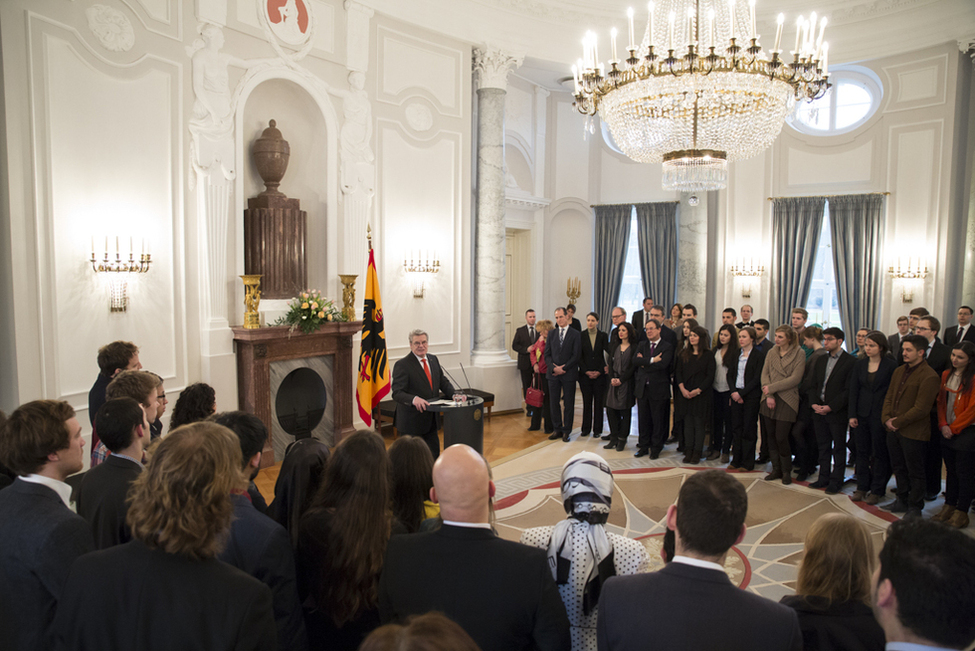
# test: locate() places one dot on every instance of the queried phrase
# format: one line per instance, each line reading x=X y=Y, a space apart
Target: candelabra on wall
x=573 y=289
x=419 y=265
x=749 y=272
x=120 y=269
x=912 y=274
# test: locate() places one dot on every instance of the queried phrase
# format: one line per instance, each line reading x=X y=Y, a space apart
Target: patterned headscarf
x=587 y=492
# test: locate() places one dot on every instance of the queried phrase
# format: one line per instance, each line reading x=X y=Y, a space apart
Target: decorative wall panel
x=411 y=66
x=918 y=84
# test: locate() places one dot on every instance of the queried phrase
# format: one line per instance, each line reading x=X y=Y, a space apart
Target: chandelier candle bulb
x=778 y=32
x=650 y=25
x=822 y=30
x=673 y=18
x=612 y=41
x=751 y=18
x=798 y=35
x=826 y=59
x=629 y=18
x=731 y=18
x=711 y=42
x=691 y=36
x=809 y=34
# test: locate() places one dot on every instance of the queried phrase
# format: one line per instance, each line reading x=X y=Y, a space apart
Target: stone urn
x=271 y=154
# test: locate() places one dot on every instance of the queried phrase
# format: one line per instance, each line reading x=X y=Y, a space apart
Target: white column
x=692 y=252
x=491 y=68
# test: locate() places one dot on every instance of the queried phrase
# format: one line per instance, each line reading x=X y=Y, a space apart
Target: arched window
x=854 y=97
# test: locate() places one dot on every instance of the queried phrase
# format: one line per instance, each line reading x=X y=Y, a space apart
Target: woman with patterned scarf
x=581 y=554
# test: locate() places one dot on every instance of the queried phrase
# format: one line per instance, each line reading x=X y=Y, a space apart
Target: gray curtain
x=612 y=238
x=856 y=224
x=796 y=224
x=656 y=225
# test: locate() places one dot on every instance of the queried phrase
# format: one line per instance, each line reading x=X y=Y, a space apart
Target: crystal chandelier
x=695 y=97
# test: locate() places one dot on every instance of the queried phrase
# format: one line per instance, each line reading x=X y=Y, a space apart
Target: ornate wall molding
x=111 y=27
x=419 y=116
x=492 y=65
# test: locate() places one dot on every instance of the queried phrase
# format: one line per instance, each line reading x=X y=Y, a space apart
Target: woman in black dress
x=619 y=396
x=869 y=381
x=695 y=377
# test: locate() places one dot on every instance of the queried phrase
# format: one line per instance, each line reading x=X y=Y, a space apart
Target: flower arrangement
x=309 y=311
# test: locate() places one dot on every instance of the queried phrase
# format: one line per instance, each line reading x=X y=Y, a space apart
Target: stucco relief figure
x=357 y=157
x=213 y=108
x=290 y=30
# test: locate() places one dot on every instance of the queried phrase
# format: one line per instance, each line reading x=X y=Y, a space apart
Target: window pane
x=815 y=115
x=822 y=303
x=631 y=291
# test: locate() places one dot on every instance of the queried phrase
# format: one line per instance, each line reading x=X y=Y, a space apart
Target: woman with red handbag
x=537 y=353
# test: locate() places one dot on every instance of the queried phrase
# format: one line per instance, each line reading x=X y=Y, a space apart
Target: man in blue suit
x=563 y=349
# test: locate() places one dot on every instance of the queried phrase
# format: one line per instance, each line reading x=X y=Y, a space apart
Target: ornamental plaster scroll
x=111 y=27
x=492 y=65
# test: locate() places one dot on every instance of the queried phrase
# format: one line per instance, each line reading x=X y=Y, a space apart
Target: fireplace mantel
x=257 y=348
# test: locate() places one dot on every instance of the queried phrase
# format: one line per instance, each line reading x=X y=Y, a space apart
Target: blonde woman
x=781 y=375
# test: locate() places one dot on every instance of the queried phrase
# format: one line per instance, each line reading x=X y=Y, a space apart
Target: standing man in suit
x=640 y=318
x=907 y=417
x=709 y=518
x=830 y=398
x=654 y=357
x=667 y=334
x=112 y=358
x=257 y=544
x=563 y=348
x=746 y=317
x=124 y=430
x=500 y=592
x=963 y=331
x=938 y=356
x=418 y=379
x=593 y=375
x=525 y=336
x=42 y=444
x=925 y=578
x=617 y=316
x=894 y=340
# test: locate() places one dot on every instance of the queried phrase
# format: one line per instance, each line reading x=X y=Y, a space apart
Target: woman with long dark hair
x=195 y=403
x=781 y=375
x=695 y=377
x=744 y=382
x=593 y=378
x=412 y=464
x=724 y=353
x=619 y=395
x=869 y=382
x=341 y=543
x=956 y=417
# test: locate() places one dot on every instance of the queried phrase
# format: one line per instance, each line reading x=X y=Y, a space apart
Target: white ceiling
x=549 y=32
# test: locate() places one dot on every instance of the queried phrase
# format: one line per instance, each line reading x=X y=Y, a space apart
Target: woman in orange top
x=956 y=417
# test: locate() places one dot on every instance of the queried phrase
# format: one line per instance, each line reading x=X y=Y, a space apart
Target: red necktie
x=426 y=369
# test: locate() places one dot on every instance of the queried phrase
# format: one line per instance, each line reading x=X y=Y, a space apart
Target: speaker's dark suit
x=500 y=592
x=593 y=359
x=744 y=415
x=737 y=620
x=410 y=381
x=41 y=539
x=567 y=354
x=831 y=428
x=523 y=339
x=133 y=597
x=101 y=500
x=261 y=547
x=951 y=335
x=652 y=391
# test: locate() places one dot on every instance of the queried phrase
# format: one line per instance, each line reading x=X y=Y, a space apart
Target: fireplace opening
x=300 y=402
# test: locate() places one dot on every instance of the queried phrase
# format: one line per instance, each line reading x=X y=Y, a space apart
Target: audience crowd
x=166 y=543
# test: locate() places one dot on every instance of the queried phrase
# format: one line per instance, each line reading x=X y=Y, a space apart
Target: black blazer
x=501 y=592
x=837 y=393
x=868 y=400
x=96 y=396
x=843 y=626
x=894 y=346
x=951 y=335
x=261 y=547
x=753 y=374
x=567 y=353
x=148 y=599
x=520 y=345
x=576 y=324
x=737 y=620
x=938 y=357
x=593 y=358
x=101 y=500
x=410 y=381
x=41 y=539
x=653 y=377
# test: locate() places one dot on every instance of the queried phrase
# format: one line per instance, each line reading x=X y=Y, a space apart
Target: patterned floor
x=778 y=516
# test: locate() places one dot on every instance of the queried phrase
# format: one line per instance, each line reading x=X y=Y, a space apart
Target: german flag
x=373 y=383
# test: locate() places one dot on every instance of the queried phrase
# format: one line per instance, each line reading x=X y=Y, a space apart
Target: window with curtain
x=823 y=303
x=631 y=291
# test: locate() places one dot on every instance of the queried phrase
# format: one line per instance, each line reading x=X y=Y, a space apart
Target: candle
x=673 y=17
x=809 y=35
x=92 y=247
x=731 y=17
x=778 y=32
x=798 y=33
x=711 y=27
x=822 y=30
x=575 y=77
x=595 y=51
x=691 y=40
x=629 y=18
x=612 y=41
x=826 y=59
x=650 y=25
x=751 y=17
x=131 y=249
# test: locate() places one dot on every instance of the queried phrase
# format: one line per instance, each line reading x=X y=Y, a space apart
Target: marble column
x=692 y=251
x=491 y=68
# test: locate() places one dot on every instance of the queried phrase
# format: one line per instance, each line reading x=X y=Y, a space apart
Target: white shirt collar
x=469 y=525
x=418 y=358
x=697 y=562
x=59 y=487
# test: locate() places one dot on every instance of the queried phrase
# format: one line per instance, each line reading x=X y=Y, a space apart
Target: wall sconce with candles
x=916 y=270
x=573 y=289
x=749 y=271
x=119 y=270
x=419 y=265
